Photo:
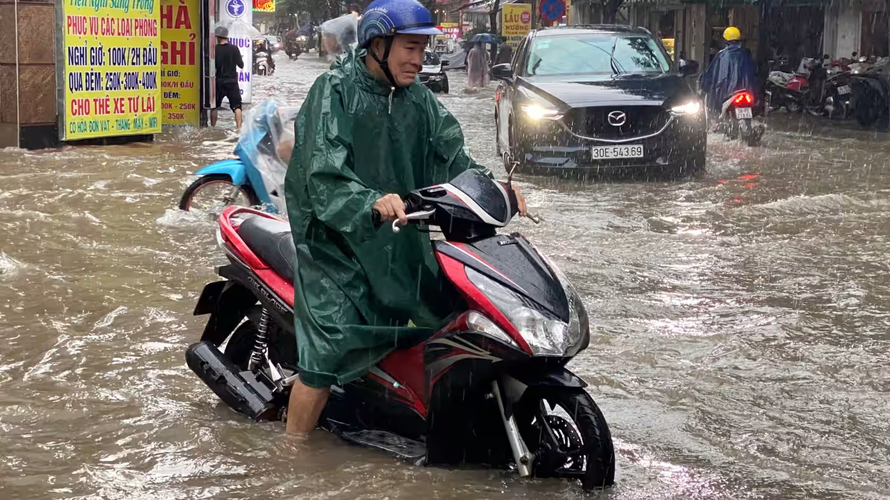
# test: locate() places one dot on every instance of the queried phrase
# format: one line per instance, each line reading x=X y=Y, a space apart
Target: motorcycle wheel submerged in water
x=479 y=391
x=212 y=193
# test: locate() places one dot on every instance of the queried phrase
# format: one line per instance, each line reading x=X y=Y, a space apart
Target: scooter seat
x=271 y=241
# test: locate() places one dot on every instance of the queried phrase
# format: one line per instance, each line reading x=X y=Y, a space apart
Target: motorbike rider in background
x=366 y=136
x=731 y=69
x=292 y=44
x=263 y=46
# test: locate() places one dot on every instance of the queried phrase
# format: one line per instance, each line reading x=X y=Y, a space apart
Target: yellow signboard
x=668 y=45
x=111 y=68
x=449 y=30
x=516 y=22
x=180 y=71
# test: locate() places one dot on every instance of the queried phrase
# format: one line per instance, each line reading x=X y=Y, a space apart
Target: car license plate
x=742 y=113
x=616 y=152
x=843 y=90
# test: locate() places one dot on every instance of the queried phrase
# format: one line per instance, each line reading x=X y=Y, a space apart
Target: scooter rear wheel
x=240 y=344
x=574 y=443
x=281 y=346
x=208 y=183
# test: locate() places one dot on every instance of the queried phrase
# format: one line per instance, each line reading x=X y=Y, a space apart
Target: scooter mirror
x=511 y=172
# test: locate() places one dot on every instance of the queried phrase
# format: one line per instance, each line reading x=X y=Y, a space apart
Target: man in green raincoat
x=366 y=136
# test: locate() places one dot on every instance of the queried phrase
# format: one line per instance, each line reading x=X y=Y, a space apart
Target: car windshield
x=595 y=54
x=430 y=59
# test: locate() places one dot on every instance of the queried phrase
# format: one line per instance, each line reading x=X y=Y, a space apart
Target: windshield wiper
x=616 y=68
x=612 y=56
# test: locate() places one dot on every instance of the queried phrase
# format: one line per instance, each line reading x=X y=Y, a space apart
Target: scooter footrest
x=402 y=447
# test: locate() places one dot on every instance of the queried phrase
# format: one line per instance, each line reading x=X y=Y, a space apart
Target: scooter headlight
x=544 y=334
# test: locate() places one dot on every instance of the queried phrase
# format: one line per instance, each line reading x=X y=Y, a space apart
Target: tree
x=493 y=16
x=318 y=10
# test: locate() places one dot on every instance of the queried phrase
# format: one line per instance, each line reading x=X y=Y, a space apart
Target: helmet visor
x=420 y=30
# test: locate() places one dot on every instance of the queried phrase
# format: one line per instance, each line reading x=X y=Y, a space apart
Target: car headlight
x=690 y=108
x=537 y=112
x=544 y=334
x=435 y=78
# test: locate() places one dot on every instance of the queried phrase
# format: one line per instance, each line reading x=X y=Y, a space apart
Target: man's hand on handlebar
x=520 y=201
x=391 y=207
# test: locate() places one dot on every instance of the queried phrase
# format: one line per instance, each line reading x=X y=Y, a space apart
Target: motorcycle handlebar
x=413 y=216
x=411 y=210
x=414 y=213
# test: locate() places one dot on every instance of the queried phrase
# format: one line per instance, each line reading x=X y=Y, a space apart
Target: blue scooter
x=256 y=175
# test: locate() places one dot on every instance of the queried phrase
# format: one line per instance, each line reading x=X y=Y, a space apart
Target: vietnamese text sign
x=234 y=13
x=516 y=22
x=180 y=71
x=264 y=5
x=111 y=68
x=451 y=30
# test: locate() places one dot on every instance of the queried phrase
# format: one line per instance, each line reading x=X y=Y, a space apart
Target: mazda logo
x=617 y=118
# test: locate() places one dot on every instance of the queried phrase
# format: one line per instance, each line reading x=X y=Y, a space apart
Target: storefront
x=875 y=39
x=680 y=25
x=793 y=30
x=856 y=26
x=664 y=20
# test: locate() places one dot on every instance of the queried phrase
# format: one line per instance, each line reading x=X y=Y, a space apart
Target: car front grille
x=639 y=121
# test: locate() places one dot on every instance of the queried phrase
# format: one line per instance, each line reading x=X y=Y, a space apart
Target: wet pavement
x=740 y=342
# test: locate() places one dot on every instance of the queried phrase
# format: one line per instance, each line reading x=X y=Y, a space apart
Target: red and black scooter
x=490 y=387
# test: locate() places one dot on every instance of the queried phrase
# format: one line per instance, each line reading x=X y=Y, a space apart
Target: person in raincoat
x=366 y=136
x=505 y=52
x=477 y=67
x=732 y=69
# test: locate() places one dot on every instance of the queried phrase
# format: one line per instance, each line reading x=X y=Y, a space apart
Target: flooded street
x=740 y=325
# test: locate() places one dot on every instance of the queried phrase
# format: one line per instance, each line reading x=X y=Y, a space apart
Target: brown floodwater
x=740 y=344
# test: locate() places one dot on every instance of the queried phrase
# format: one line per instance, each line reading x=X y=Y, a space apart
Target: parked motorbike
x=829 y=92
x=490 y=387
x=789 y=90
x=736 y=120
x=871 y=97
x=256 y=175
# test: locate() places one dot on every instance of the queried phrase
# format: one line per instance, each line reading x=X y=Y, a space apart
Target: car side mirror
x=502 y=72
x=690 y=68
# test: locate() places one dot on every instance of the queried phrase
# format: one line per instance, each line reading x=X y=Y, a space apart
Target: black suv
x=597 y=98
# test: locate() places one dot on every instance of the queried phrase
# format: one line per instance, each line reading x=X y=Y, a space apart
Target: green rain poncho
x=356 y=287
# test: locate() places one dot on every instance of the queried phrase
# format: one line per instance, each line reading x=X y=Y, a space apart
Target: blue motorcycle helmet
x=388 y=18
